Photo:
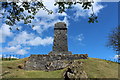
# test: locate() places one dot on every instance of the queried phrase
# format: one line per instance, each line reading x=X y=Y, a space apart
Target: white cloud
x=96 y=7
x=38 y=29
x=40 y=41
x=80 y=12
x=41 y=26
x=21 y=41
x=13 y=57
x=5 y=32
x=42 y=22
x=117 y=57
x=0 y=55
x=49 y=4
x=45 y=24
x=12 y=48
x=16 y=50
x=21 y=52
x=80 y=37
x=21 y=38
x=25 y=38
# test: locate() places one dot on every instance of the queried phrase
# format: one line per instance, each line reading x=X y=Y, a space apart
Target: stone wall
x=51 y=62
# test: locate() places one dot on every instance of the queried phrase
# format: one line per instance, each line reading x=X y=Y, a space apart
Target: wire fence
x=6 y=57
x=9 y=57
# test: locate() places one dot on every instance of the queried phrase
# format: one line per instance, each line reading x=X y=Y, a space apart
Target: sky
x=83 y=38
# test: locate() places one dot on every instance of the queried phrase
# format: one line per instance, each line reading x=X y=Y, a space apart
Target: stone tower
x=60 y=44
x=59 y=57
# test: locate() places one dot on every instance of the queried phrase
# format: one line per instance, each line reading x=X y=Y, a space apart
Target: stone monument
x=57 y=58
x=60 y=44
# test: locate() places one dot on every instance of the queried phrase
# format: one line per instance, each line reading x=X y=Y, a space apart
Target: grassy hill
x=94 y=67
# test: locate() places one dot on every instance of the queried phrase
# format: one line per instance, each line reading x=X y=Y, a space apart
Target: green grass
x=95 y=68
x=98 y=68
x=15 y=72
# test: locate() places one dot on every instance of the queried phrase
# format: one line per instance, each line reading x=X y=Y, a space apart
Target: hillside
x=94 y=68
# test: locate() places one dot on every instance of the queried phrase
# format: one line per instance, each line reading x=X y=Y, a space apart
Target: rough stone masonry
x=59 y=57
x=60 y=44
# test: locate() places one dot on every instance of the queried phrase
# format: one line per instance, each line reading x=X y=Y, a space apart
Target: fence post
x=6 y=56
x=16 y=55
x=13 y=56
x=9 y=57
x=2 y=57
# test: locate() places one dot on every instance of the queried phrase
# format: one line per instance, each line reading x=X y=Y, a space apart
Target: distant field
x=95 y=68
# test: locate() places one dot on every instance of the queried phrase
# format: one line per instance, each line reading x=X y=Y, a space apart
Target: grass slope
x=95 y=68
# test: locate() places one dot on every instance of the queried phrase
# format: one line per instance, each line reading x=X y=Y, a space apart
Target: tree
x=13 y=12
x=114 y=39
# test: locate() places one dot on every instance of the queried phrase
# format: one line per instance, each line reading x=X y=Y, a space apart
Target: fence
x=9 y=57
x=15 y=57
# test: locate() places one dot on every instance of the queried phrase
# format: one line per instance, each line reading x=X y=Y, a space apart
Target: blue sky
x=95 y=35
x=83 y=38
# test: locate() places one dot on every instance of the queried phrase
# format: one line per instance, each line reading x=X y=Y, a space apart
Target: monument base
x=51 y=62
x=60 y=53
